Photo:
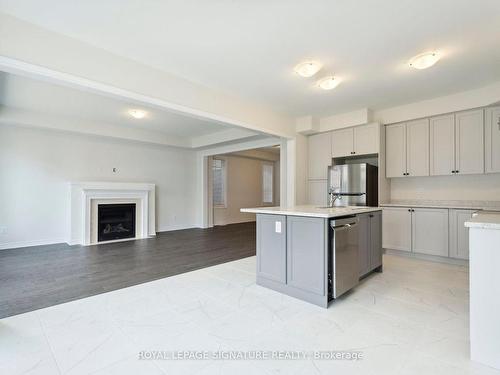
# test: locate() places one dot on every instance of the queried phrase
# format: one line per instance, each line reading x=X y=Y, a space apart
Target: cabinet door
x=395 y=150
x=442 y=145
x=342 y=142
x=375 y=240
x=469 y=142
x=364 y=244
x=459 y=234
x=396 y=228
x=271 y=247
x=316 y=193
x=430 y=231
x=366 y=139
x=306 y=253
x=320 y=155
x=417 y=148
x=492 y=140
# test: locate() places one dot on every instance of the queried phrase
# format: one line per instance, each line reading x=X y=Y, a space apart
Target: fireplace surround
x=86 y=197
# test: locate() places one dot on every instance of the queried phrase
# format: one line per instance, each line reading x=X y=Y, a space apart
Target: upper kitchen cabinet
x=457 y=143
x=469 y=141
x=360 y=140
x=407 y=149
x=395 y=150
x=366 y=139
x=492 y=140
x=320 y=156
x=417 y=148
x=442 y=145
x=343 y=142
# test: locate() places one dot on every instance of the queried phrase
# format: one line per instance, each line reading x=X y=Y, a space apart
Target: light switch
x=277 y=227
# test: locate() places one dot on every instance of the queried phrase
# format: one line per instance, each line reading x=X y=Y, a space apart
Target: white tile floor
x=412 y=319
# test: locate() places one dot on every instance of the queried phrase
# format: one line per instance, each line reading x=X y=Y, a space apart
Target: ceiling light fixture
x=137 y=113
x=308 y=68
x=424 y=60
x=328 y=83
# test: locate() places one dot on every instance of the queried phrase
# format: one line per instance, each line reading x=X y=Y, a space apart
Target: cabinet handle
x=498 y=123
x=457 y=171
x=452 y=171
x=409 y=210
x=371 y=215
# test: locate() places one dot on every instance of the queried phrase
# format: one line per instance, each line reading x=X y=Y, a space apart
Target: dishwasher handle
x=343 y=226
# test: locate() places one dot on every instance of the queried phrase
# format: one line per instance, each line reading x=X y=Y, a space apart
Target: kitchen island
x=316 y=253
x=484 y=263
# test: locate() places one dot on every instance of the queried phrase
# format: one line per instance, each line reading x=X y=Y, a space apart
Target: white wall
x=471 y=187
x=460 y=101
x=244 y=189
x=37 y=165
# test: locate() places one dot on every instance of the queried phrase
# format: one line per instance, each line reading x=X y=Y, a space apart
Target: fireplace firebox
x=115 y=221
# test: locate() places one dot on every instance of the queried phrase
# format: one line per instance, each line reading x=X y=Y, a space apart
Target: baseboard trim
x=20 y=244
x=432 y=258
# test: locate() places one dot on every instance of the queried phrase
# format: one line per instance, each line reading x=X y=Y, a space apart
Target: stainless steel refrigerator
x=353 y=184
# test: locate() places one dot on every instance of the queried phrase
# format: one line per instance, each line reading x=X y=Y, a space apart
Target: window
x=219 y=182
x=267 y=183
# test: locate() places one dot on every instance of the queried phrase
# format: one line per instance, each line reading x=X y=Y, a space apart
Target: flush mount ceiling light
x=308 y=68
x=328 y=83
x=137 y=113
x=424 y=60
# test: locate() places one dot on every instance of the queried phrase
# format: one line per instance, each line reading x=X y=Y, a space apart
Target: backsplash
x=484 y=187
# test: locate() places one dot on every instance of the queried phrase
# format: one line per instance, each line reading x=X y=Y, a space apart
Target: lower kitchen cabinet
x=430 y=231
x=417 y=230
x=364 y=244
x=370 y=242
x=459 y=234
x=306 y=253
x=396 y=228
x=375 y=239
x=271 y=247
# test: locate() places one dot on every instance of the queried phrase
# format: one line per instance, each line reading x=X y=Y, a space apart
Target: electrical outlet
x=3 y=229
x=277 y=226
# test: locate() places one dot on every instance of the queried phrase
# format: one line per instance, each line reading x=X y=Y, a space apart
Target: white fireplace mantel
x=85 y=195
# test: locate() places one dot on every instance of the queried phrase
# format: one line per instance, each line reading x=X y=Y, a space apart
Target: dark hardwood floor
x=35 y=277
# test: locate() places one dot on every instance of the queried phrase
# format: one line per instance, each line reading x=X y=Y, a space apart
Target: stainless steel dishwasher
x=343 y=265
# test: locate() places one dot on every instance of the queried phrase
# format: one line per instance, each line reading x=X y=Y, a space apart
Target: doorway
x=236 y=180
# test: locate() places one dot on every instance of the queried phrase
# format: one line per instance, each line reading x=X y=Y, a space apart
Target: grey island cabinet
x=311 y=253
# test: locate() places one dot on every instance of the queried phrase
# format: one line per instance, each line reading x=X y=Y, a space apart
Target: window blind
x=267 y=183
x=219 y=182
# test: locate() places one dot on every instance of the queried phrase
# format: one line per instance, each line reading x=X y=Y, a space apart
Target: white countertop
x=312 y=211
x=465 y=205
x=484 y=220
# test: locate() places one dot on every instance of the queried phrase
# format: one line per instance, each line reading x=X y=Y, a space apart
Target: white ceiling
x=40 y=97
x=249 y=48
x=50 y=99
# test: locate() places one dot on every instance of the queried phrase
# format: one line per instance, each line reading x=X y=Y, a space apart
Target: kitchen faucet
x=333 y=197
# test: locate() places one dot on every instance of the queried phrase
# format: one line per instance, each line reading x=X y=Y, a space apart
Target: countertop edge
x=484 y=220
x=320 y=215
x=449 y=206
